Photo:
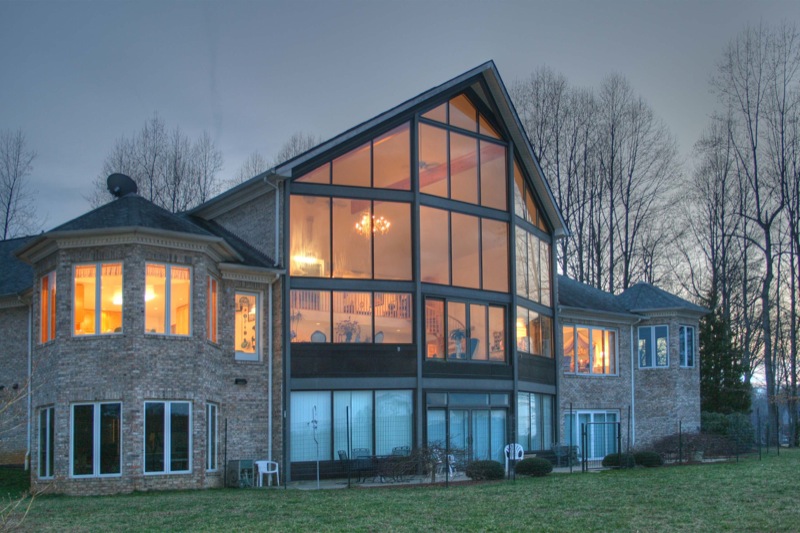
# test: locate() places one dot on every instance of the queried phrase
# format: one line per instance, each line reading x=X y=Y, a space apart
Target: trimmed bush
x=648 y=459
x=485 y=470
x=534 y=466
x=617 y=460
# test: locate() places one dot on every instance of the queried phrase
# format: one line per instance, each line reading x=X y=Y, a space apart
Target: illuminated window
x=97 y=299
x=534 y=333
x=211 y=311
x=47 y=296
x=470 y=332
x=246 y=330
x=167 y=299
x=590 y=350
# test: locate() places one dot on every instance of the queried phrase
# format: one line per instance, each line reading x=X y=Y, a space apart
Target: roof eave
x=567 y=311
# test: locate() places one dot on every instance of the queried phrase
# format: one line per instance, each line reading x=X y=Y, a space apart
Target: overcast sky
x=77 y=75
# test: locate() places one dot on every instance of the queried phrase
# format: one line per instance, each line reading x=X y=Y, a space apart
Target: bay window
x=98 y=298
x=46 y=441
x=686 y=343
x=167 y=437
x=167 y=299
x=96 y=439
x=47 y=316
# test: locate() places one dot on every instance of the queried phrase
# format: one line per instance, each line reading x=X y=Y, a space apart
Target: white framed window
x=602 y=432
x=686 y=345
x=47 y=317
x=653 y=347
x=211 y=436
x=46 y=442
x=96 y=439
x=212 y=288
x=167 y=437
x=97 y=299
x=590 y=350
x=168 y=299
x=246 y=328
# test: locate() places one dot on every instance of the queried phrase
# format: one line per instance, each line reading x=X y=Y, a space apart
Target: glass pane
x=547 y=421
x=46 y=321
x=52 y=307
x=486 y=128
x=535 y=332
x=689 y=346
x=524 y=420
x=598 y=352
x=110 y=415
x=437 y=428
x=456 y=330
x=83 y=440
x=352 y=410
x=155 y=298
x=245 y=330
x=466 y=250
x=179 y=437
x=463 y=114
x=211 y=445
x=481 y=438
x=544 y=265
x=394 y=416
x=682 y=343
x=44 y=439
x=180 y=300
x=459 y=431
x=154 y=437
x=611 y=347
x=497 y=333
x=211 y=313
x=353 y=228
x=393 y=247
x=521 y=250
x=522 y=335
x=392 y=159
x=530 y=207
x=519 y=193
x=310 y=427
x=353 y=168
x=568 y=333
x=662 y=355
x=85 y=299
x=434 y=245
x=645 y=347
x=498 y=435
x=534 y=273
x=493 y=175
x=310 y=238
x=111 y=298
x=463 y=168
x=432 y=160
x=352 y=316
x=583 y=350
x=494 y=251
x=393 y=318
x=438 y=114
x=547 y=335
x=318 y=175
x=434 y=329
x=478 y=347
x=310 y=316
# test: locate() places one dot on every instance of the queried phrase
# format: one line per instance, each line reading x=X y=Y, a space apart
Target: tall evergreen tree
x=722 y=385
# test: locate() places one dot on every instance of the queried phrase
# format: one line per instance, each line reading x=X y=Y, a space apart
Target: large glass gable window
x=464 y=331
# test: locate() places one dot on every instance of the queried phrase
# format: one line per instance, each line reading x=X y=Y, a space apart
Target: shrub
x=686 y=446
x=534 y=466
x=648 y=459
x=616 y=460
x=485 y=470
x=737 y=427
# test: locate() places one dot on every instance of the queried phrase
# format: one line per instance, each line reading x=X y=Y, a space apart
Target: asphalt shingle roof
x=646 y=297
x=16 y=276
x=575 y=294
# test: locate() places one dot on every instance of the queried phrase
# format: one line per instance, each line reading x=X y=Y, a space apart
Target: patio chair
x=267 y=468
x=362 y=463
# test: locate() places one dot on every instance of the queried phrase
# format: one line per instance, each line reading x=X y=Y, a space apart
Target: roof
x=579 y=295
x=646 y=297
x=16 y=276
x=250 y=255
x=486 y=81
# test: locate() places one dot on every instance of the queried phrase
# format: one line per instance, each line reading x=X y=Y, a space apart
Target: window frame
x=167 y=432
x=683 y=348
x=256 y=355
x=212 y=309
x=98 y=298
x=47 y=308
x=575 y=327
x=168 y=298
x=468 y=333
x=96 y=440
x=653 y=338
x=212 y=437
x=46 y=443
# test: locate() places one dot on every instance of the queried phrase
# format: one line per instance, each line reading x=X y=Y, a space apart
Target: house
x=629 y=362
x=388 y=290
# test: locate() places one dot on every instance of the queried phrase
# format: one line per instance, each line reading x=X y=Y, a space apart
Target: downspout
x=269 y=372
x=30 y=372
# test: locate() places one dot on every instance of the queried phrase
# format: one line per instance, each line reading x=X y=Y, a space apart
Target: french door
x=473 y=433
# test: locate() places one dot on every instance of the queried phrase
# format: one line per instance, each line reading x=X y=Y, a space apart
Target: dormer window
x=97 y=299
x=167 y=299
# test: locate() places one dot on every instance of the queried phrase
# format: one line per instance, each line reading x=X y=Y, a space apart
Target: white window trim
x=209 y=280
x=167 y=438
x=683 y=349
x=45 y=440
x=98 y=299
x=215 y=427
x=256 y=356
x=96 y=420
x=575 y=372
x=168 y=298
x=655 y=364
x=578 y=438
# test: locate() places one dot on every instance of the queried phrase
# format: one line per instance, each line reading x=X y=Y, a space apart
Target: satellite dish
x=119 y=185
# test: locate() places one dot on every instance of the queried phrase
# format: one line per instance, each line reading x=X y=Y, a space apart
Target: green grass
x=752 y=495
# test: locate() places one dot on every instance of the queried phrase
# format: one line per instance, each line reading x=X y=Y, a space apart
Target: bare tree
x=254 y=165
x=16 y=197
x=295 y=145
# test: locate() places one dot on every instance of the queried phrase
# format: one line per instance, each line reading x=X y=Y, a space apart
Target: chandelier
x=372 y=225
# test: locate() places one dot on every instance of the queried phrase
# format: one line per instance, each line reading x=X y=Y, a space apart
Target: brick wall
x=13 y=383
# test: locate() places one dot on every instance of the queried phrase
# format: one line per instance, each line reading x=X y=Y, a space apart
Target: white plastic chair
x=514 y=452
x=267 y=468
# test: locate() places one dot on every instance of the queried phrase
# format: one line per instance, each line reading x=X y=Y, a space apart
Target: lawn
x=751 y=495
